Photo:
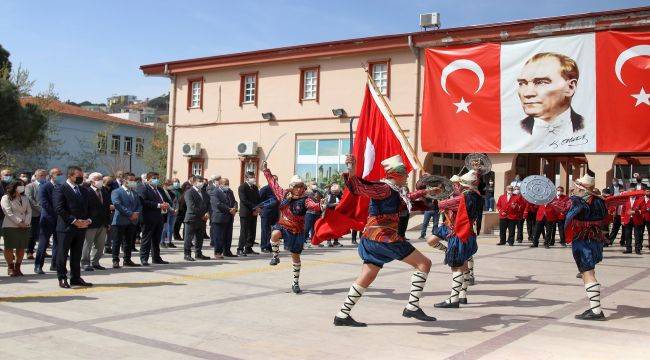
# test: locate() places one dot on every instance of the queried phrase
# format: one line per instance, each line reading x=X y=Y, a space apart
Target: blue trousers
x=47 y=230
x=267 y=224
x=310 y=220
x=168 y=229
x=428 y=216
x=222 y=236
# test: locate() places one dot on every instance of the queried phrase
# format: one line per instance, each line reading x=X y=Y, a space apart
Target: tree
x=4 y=60
x=155 y=152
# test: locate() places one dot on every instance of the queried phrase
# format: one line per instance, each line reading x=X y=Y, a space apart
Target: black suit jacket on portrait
x=249 y=198
x=577 y=121
x=69 y=206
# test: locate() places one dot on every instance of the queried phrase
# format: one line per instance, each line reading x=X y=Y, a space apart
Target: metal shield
x=431 y=181
x=478 y=161
x=538 y=189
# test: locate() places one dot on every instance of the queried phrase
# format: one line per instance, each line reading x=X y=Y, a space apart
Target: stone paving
x=522 y=307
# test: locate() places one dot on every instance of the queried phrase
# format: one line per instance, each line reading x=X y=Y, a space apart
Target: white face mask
x=251 y=181
x=558 y=193
x=98 y=183
x=20 y=189
x=225 y=187
x=199 y=184
x=515 y=192
x=639 y=187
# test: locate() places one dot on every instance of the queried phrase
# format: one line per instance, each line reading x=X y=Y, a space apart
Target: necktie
x=99 y=195
x=76 y=191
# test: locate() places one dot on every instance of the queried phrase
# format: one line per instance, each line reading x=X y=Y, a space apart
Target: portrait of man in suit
x=546 y=86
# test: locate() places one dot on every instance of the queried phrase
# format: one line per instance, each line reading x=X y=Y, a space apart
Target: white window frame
x=250 y=89
x=380 y=76
x=196 y=95
x=197 y=168
x=310 y=84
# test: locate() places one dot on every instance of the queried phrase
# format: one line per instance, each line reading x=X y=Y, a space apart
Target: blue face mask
x=154 y=182
x=7 y=178
x=60 y=179
x=176 y=186
x=41 y=181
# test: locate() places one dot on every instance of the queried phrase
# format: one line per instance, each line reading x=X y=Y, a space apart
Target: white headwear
x=393 y=163
x=469 y=179
x=295 y=180
x=586 y=182
x=455 y=179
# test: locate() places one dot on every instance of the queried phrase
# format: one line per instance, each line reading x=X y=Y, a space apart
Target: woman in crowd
x=168 y=230
x=16 y=225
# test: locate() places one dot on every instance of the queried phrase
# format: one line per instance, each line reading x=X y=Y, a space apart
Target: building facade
x=93 y=140
x=226 y=112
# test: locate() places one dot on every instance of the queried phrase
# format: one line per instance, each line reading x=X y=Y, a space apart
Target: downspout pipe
x=416 y=112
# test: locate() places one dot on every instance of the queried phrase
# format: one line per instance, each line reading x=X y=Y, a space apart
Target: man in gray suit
x=223 y=209
x=31 y=191
x=197 y=213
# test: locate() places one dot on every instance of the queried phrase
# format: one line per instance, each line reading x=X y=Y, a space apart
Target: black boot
x=417 y=314
x=447 y=305
x=348 y=321
x=590 y=315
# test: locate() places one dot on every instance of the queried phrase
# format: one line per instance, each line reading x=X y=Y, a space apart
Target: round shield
x=436 y=181
x=538 y=189
x=478 y=161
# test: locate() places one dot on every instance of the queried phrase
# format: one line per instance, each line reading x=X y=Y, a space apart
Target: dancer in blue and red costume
x=585 y=213
x=460 y=213
x=380 y=241
x=294 y=204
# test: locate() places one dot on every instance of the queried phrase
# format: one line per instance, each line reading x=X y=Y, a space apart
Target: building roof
x=62 y=108
x=507 y=31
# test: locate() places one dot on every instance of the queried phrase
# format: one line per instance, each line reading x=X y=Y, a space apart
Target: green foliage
x=155 y=152
x=21 y=126
x=4 y=60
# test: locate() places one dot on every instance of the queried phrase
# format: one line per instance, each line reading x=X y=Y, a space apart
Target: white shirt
x=556 y=134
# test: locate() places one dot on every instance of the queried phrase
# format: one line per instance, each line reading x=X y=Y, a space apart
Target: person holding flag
x=460 y=215
x=294 y=205
x=381 y=242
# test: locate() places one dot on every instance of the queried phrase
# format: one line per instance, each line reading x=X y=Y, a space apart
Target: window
x=309 y=83
x=101 y=143
x=195 y=167
x=139 y=147
x=195 y=93
x=319 y=160
x=128 y=145
x=248 y=92
x=115 y=144
x=380 y=71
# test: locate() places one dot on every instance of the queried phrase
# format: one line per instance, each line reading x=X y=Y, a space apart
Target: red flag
x=623 y=102
x=375 y=141
x=461 y=105
x=462 y=224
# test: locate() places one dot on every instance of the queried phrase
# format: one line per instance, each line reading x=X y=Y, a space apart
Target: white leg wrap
x=296 y=273
x=470 y=267
x=418 y=279
x=354 y=294
x=275 y=249
x=593 y=293
x=463 y=289
x=456 y=286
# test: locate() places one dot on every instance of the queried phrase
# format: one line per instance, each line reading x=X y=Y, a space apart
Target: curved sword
x=273 y=146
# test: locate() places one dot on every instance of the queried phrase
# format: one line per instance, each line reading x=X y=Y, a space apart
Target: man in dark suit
x=100 y=215
x=73 y=218
x=222 y=216
x=125 y=219
x=47 y=221
x=197 y=213
x=155 y=205
x=249 y=199
x=270 y=215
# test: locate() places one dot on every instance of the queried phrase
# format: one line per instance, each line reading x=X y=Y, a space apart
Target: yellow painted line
x=99 y=288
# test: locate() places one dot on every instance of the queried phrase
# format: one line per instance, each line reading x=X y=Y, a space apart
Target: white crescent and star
x=640 y=50
x=459 y=64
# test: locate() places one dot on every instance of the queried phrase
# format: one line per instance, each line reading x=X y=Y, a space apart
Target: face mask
x=225 y=187
x=7 y=178
x=176 y=185
x=558 y=193
x=59 y=179
x=79 y=180
x=20 y=189
x=154 y=182
x=131 y=184
x=515 y=192
x=98 y=183
x=199 y=184
x=41 y=181
x=251 y=181
x=639 y=187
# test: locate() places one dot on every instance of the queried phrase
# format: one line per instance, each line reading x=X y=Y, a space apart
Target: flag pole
x=393 y=119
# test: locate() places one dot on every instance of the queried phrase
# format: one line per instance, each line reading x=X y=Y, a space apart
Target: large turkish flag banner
x=623 y=102
x=461 y=104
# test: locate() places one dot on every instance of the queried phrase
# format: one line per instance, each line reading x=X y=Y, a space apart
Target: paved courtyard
x=522 y=307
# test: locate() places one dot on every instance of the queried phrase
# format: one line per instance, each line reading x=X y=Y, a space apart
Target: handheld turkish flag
x=377 y=138
x=623 y=102
x=461 y=103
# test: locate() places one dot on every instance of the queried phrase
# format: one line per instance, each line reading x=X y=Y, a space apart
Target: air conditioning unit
x=191 y=149
x=430 y=20
x=247 y=148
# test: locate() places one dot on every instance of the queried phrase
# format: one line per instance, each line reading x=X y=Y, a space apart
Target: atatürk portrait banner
x=566 y=94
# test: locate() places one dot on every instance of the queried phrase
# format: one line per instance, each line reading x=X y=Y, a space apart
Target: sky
x=92 y=49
